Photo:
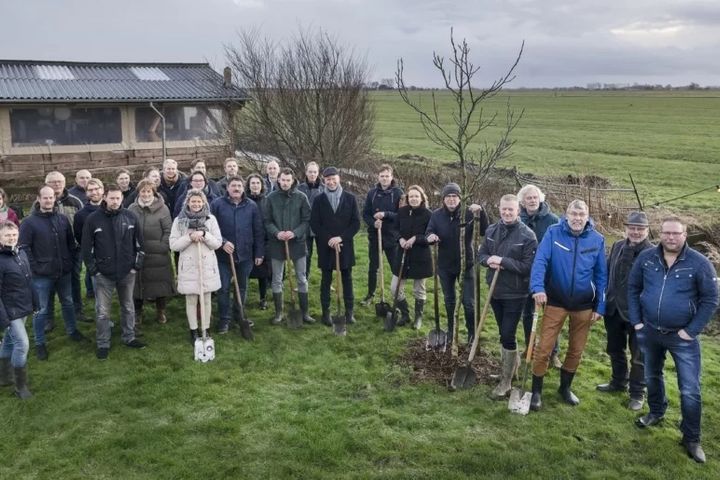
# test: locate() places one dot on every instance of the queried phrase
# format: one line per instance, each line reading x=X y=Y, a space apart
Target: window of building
x=65 y=126
x=181 y=123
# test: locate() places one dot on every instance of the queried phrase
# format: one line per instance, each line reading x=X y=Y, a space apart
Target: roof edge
x=114 y=64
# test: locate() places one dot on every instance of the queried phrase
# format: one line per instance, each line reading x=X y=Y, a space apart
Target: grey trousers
x=278 y=268
x=104 y=287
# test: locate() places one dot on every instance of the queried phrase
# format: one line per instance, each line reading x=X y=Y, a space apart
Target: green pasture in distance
x=669 y=141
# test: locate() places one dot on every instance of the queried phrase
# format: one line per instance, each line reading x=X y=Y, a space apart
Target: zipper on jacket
x=575 y=252
x=662 y=290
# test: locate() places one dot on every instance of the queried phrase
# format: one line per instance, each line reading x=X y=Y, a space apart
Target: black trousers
x=347 y=287
x=620 y=335
x=375 y=263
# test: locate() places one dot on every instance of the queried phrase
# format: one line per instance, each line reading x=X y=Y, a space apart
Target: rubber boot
x=6 y=373
x=278 y=301
x=304 y=306
x=419 y=306
x=326 y=320
x=536 y=400
x=160 y=304
x=508 y=361
x=21 y=387
x=566 y=379
x=404 y=312
x=193 y=336
x=349 y=317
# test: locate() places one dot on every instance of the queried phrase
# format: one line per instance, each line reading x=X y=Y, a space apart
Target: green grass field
x=305 y=404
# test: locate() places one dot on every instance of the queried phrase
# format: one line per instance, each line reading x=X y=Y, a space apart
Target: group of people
x=654 y=299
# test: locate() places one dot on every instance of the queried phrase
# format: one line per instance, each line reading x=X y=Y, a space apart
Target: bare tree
x=308 y=101
x=459 y=131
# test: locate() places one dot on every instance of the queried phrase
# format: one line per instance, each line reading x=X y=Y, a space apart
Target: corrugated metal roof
x=28 y=81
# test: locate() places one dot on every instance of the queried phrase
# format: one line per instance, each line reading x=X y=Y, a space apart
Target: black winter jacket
x=112 y=243
x=516 y=244
x=79 y=220
x=345 y=223
x=48 y=241
x=17 y=297
x=412 y=222
x=446 y=225
x=387 y=201
x=171 y=192
x=620 y=262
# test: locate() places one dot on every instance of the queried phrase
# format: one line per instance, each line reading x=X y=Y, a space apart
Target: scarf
x=194 y=220
x=334 y=197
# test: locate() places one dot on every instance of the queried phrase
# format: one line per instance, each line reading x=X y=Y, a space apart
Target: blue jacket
x=17 y=297
x=683 y=296
x=241 y=224
x=571 y=269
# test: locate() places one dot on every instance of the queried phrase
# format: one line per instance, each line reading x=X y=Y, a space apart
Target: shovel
x=391 y=316
x=295 y=317
x=338 y=319
x=519 y=397
x=437 y=339
x=464 y=377
x=204 y=346
x=382 y=308
x=245 y=328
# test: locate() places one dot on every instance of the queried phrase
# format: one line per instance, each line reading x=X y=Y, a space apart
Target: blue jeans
x=223 y=298
x=104 y=287
x=447 y=282
x=15 y=343
x=45 y=288
x=686 y=355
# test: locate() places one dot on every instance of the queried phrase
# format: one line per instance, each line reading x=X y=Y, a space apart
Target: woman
x=7 y=213
x=509 y=248
x=312 y=187
x=412 y=221
x=17 y=301
x=197 y=181
x=122 y=180
x=262 y=272
x=155 y=280
x=196 y=235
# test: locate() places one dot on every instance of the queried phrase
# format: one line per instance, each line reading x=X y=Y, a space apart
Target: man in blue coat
x=568 y=276
x=241 y=225
x=672 y=294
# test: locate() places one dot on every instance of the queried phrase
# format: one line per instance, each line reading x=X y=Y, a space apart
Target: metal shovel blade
x=390 y=321
x=519 y=401
x=339 y=327
x=381 y=309
x=463 y=378
x=437 y=339
x=246 y=330
x=204 y=350
x=295 y=318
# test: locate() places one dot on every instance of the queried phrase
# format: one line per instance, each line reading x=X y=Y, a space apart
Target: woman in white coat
x=195 y=234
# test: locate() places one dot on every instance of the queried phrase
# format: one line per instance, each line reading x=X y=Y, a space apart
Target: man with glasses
x=619 y=331
x=672 y=294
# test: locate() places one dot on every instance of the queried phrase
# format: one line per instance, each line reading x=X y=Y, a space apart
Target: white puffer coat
x=188 y=264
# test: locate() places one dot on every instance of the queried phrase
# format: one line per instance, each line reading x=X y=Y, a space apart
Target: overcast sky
x=567 y=42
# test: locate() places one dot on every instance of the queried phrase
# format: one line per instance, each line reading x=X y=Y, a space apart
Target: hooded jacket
x=388 y=202
x=571 y=269
x=48 y=241
x=287 y=210
x=684 y=296
x=17 y=297
x=540 y=221
x=112 y=243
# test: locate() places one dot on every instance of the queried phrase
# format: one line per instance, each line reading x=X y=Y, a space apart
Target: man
x=95 y=191
x=171 y=182
x=536 y=214
x=444 y=229
x=47 y=239
x=287 y=221
x=509 y=247
x=569 y=276
x=272 y=170
x=112 y=250
x=672 y=294
x=231 y=170
x=312 y=187
x=619 y=331
x=335 y=220
x=81 y=179
x=241 y=225
x=381 y=206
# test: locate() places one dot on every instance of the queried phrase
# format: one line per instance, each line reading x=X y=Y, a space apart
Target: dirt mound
x=436 y=367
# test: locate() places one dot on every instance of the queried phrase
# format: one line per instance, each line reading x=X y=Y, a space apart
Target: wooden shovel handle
x=288 y=273
x=382 y=266
x=483 y=315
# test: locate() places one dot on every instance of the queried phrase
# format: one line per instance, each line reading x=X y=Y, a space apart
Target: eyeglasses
x=672 y=234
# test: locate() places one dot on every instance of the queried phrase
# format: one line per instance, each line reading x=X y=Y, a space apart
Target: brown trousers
x=552 y=323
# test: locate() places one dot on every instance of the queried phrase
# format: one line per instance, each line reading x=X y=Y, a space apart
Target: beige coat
x=187 y=275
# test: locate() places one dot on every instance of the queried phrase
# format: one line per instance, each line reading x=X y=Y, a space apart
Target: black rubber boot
x=278 y=301
x=566 y=379
x=404 y=312
x=419 y=307
x=6 y=373
x=21 y=387
x=194 y=334
x=326 y=320
x=304 y=306
x=536 y=400
x=349 y=317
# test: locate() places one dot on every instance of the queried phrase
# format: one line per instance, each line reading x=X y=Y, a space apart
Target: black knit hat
x=451 y=189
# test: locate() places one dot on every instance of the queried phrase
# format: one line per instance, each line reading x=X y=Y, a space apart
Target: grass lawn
x=307 y=404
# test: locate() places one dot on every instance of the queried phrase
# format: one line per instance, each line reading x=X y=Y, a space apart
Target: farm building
x=70 y=115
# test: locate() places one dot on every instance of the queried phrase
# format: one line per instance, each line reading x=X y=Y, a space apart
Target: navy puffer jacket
x=242 y=225
x=48 y=241
x=17 y=297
